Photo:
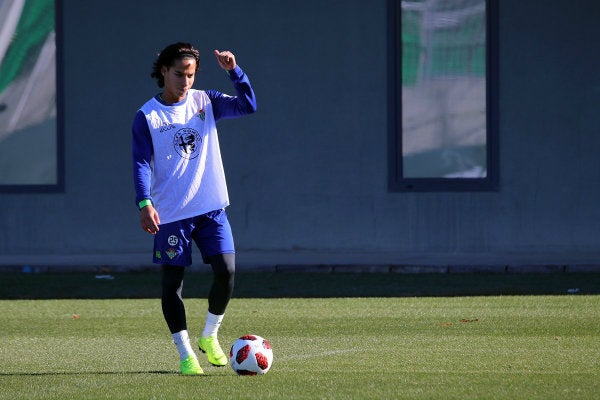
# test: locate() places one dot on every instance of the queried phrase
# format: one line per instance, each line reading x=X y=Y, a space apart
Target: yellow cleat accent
x=191 y=366
x=211 y=347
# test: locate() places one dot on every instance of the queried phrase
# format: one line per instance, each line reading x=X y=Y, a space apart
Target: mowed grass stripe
x=517 y=347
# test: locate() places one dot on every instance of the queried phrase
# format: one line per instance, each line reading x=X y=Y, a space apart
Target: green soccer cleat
x=211 y=347
x=190 y=366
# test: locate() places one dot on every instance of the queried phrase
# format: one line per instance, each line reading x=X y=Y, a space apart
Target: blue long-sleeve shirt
x=223 y=107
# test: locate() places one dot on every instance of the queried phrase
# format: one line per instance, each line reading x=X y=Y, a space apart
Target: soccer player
x=181 y=191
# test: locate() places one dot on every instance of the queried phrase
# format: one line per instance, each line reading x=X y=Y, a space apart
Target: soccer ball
x=251 y=355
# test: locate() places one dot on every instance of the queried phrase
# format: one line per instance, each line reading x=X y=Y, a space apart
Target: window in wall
x=30 y=138
x=443 y=112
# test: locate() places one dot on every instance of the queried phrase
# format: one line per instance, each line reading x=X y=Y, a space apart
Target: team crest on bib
x=187 y=143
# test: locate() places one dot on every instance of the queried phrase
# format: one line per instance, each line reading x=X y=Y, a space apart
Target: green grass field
x=462 y=347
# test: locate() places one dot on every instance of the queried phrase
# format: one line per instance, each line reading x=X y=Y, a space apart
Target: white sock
x=182 y=341
x=212 y=324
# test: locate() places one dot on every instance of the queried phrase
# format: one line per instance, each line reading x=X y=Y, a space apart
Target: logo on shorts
x=157 y=254
x=187 y=143
x=172 y=240
x=172 y=253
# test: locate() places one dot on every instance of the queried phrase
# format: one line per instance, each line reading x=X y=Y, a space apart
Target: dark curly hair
x=168 y=56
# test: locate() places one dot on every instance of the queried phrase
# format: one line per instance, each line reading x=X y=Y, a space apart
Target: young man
x=181 y=191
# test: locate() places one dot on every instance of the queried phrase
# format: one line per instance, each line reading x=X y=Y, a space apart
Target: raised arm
x=244 y=102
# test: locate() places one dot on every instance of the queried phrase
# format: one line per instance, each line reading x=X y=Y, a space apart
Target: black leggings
x=223 y=266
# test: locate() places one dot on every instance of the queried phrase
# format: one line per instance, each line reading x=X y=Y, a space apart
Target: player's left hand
x=226 y=59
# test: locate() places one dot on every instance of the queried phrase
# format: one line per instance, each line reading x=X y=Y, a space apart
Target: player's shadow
x=88 y=373
x=75 y=373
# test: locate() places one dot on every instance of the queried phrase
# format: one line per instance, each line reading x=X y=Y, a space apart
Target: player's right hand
x=149 y=219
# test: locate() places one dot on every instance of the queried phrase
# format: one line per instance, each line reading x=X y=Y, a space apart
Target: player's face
x=179 y=78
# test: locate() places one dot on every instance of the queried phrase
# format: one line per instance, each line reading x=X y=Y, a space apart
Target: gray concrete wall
x=309 y=170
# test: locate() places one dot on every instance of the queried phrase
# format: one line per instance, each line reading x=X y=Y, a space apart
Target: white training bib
x=188 y=177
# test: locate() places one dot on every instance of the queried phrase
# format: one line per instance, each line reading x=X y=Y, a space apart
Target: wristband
x=144 y=203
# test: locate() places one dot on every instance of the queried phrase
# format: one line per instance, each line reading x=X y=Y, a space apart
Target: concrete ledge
x=418 y=269
x=361 y=269
x=261 y=268
x=100 y=269
x=304 y=268
x=321 y=262
x=470 y=269
x=538 y=269
x=582 y=268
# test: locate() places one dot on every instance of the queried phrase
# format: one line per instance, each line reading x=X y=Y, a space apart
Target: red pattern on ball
x=262 y=361
x=242 y=354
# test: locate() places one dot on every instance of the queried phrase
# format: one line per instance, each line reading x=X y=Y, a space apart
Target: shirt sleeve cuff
x=236 y=73
x=144 y=203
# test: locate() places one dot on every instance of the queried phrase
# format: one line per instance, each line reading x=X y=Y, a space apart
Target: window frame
x=396 y=181
x=59 y=186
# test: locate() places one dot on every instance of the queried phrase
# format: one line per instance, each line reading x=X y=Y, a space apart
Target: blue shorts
x=211 y=232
